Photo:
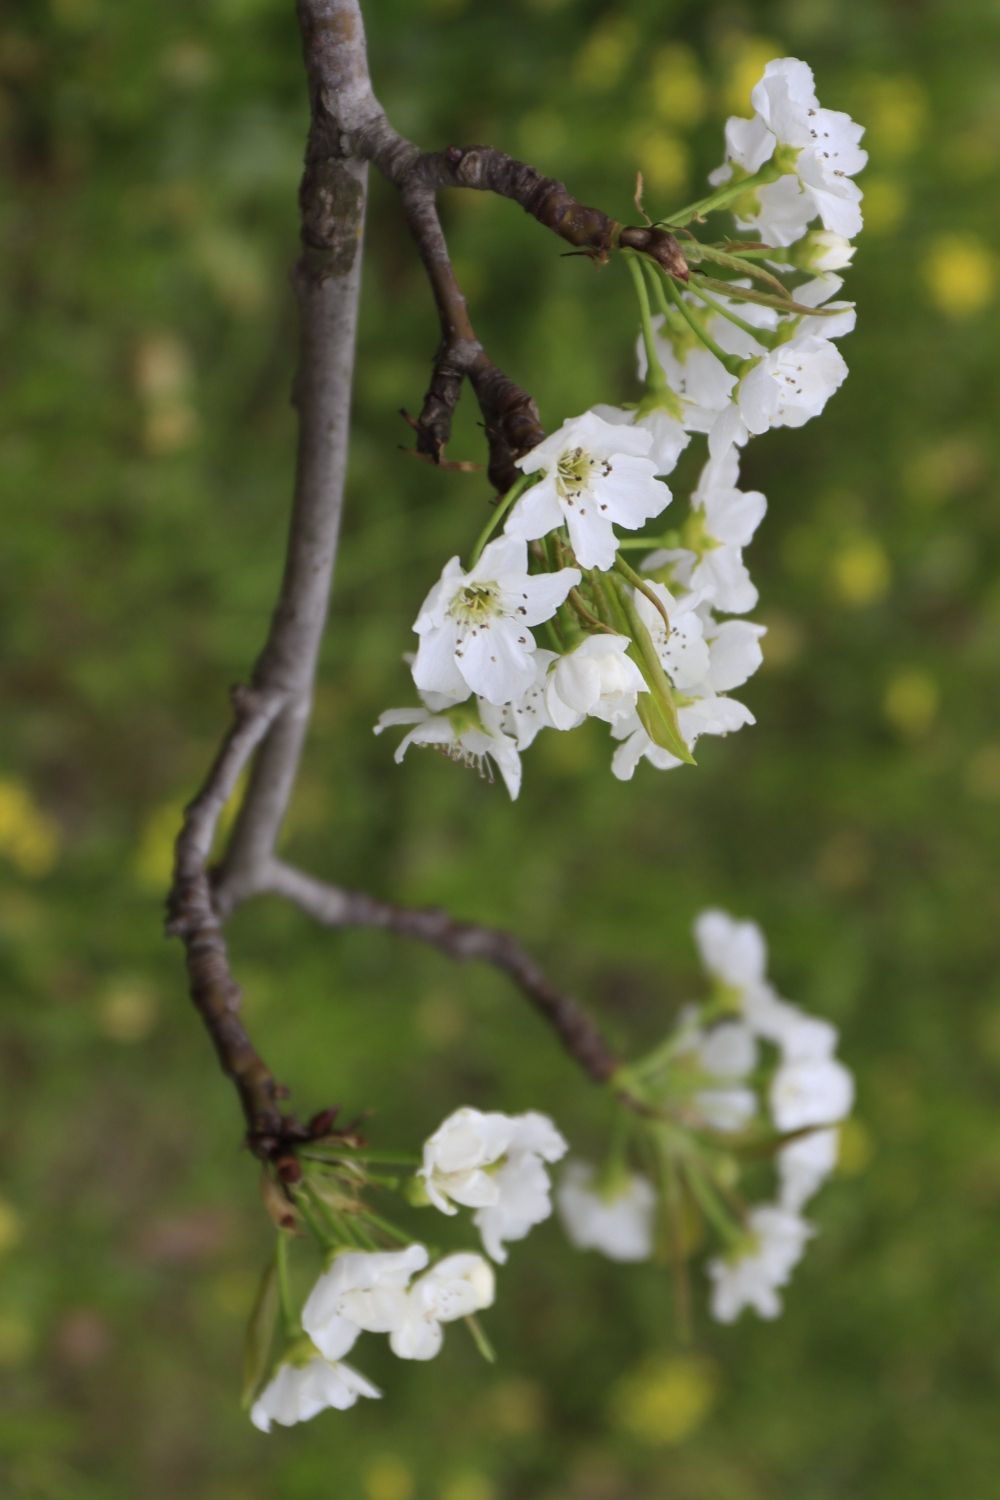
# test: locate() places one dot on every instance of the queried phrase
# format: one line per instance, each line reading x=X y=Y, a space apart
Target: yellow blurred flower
x=163 y=376
x=388 y=1478
x=960 y=274
x=469 y=1487
x=885 y=204
x=854 y=1148
x=17 y=1338
x=153 y=860
x=745 y=59
x=910 y=702
x=677 y=87
x=11 y=1226
x=666 y=1398
x=895 y=111
x=606 y=54
x=982 y=774
x=29 y=838
x=516 y=1406
x=128 y=1011
x=860 y=572
x=663 y=160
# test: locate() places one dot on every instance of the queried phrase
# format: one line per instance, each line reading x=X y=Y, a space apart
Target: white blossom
x=698 y=379
x=524 y=718
x=750 y=1276
x=470 y=733
x=804 y=1165
x=821 y=155
x=455 y=1287
x=734 y=953
x=786 y=387
x=597 y=678
x=701 y=669
x=595 y=474
x=810 y=1091
x=727 y=1053
x=361 y=1290
x=723 y=520
x=822 y=250
x=474 y=627
x=495 y=1164
x=665 y=427
x=298 y=1391
x=616 y=1218
x=837 y=318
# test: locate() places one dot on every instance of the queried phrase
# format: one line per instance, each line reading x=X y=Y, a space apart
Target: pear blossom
x=810 y=1091
x=785 y=388
x=471 y=733
x=596 y=678
x=821 y=156
x=361 y=1290
x=299 y=1391
x=751 y=1275
x=495 y=1164
x=595 y=474
x=698 y=379
x=662 y=422
x=727 y=1053
x=804 y=1165
x=617 y=1218
x=474 y=627
x=821 y=250
x=702 y=670
x=455 y=1287
x=733 y=952
x=837 y=319
x=524 y=718
x=723 y=521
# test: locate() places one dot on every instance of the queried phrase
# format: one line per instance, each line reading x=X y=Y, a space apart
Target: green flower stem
x=708 y=1200
x=608 y=603
x=732 y=362
x=516 y=490
x=649 y=543
x=326 y=1235
x=386 y=1227
x=769 y=172
x=575 y=598
x=656 y=379
x=479 y=1338
x=639 y=583
x=289 y=1315
x=763 y=336
x=658 y=716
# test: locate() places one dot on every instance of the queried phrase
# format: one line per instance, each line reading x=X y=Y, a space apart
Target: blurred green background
x=151 y=154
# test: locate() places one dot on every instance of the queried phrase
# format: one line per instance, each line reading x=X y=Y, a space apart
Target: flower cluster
x=744 y=1075
x=550 y=624
x=493 y=1163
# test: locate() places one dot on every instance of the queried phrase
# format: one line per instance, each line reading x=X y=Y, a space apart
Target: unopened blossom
x=299 y=1391
x=804 y=1165
x=470 y=733
x=474 y=627
x=361 y=1290
x=722 y=522
x=455 y=1287
x=821 y=250
x=727 y=1054
x=817 y=149
x=616 y=1217
x=810 y=1091
x=597 y=678
x=662 y=422
x=751 y=1275
x=595 y=475
x=786 y=387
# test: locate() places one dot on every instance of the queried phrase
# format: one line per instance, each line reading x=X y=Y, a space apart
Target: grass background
x=151 y=154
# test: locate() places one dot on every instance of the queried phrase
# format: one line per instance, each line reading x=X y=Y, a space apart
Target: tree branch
x=335 y=907
x=348 y=128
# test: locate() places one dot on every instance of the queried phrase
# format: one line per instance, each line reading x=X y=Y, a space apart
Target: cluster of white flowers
x=493 y=1163
x=550 y=625
x=742 y=1058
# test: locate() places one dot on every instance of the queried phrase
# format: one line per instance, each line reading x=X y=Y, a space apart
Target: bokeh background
x=151 y=156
